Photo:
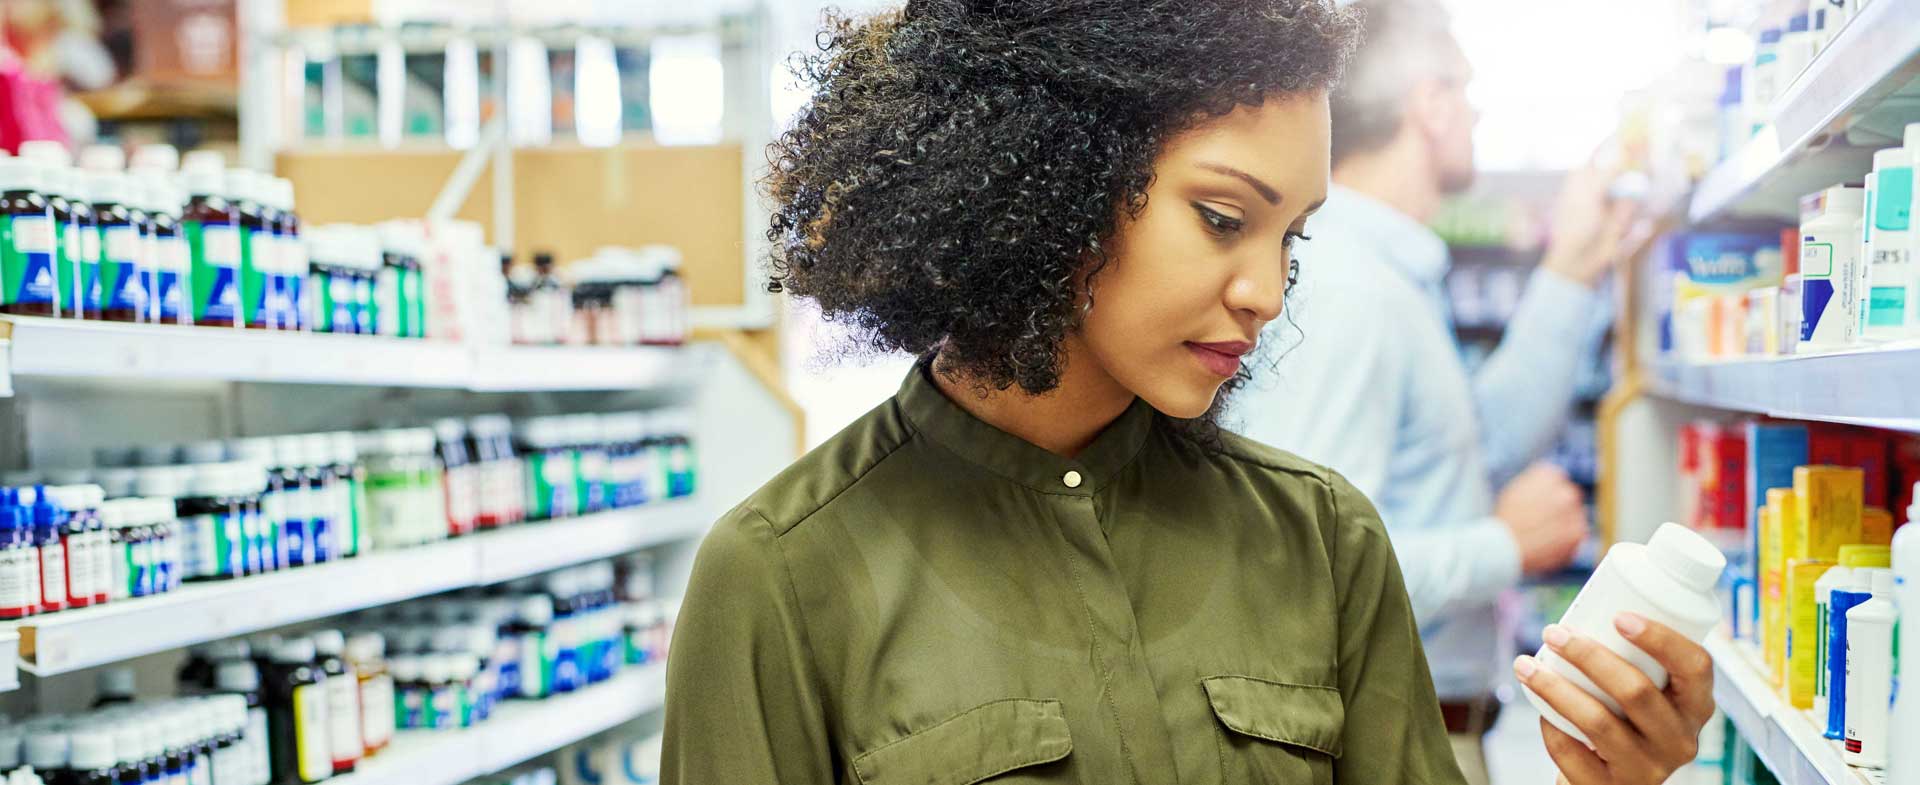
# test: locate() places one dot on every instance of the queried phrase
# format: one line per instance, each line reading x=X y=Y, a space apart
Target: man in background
x=1377 y=389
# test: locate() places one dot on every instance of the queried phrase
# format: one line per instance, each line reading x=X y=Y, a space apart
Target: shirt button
x=1072 y=480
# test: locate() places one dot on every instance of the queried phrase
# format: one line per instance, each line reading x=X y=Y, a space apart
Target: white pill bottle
x=1669 y=580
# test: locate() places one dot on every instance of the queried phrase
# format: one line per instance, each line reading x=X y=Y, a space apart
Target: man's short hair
x=1404 y=42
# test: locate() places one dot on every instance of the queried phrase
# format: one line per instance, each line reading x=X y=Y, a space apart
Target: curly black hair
x=962 y=164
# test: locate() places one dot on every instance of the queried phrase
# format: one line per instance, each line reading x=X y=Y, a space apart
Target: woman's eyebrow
x=1266 y=191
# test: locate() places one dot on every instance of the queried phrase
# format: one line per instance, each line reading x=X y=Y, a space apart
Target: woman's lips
x=1221 y=359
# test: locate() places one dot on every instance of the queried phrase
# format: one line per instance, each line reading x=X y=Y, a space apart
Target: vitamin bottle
x=329 y=288
x=49 y=519
x=1857 y=590
x=211 y=230
x=164 y=485
x=26 y=258
x=533 y=627
x=232 y=757
x=297 y=721
x=70 y=214
x=288 y=482
x=92 y=761
x=410 y=690
x=322 y=500
x=552 y=304
x=501 y=486
x=196 y=741
x=82 y=278
x=1869 y=661
x=239 y=681
x=129 y=745
x=77 y=534
x=293 y=253
x=366 y=655
x=273 y=544
x=119 y=247
x=257 y=269
x=172 y=264
x=145 y=269
x=216 y=544
x=344 y=737
x=351 y=499
x=460 y=474
x=1669 y=580
x=47 y=751
x=101 y=550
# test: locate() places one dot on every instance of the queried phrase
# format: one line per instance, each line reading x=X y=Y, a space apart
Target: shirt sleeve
x=1393 y=730
x=1525 y=388
x=742 y=704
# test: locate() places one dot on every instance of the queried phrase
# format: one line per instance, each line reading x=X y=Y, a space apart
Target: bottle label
x=376 y=711
x=310 y=727
x=256 y=267
x=102 y=553
x=410 y=709
x=343 y=710
x=443 y=707
x=169 y=293
x=536 y=667
x=386 y=319
x=120 y=271
x=26 y=260
x=79 y=559
x=213 y=253
x=14 y=590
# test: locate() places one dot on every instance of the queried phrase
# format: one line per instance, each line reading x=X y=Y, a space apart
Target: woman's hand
x=1661 y=731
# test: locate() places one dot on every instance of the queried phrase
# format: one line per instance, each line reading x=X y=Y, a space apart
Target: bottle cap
x=366 y=647
x=46 y=152
x=1687 y=556
x=103 y=158
x=18 y=175
x=318 y=448
x=436 y=669
x=209 y=451
x=257 y=449
x=164 y=481
x=330 y=643
x=92 y=750
x=160 y=157
x=47 y=750
x=127 y=746
x=294 y=651
x=204 y=182
x=463 y=667
x=405 y=668
x=116 y=683
x=1890 y=158
x=290 y=452
x=236 y=676
x=344 y=449
x=153 y=740
x=536 y=610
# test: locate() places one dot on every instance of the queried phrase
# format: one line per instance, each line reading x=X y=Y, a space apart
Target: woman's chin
x=1184 y=404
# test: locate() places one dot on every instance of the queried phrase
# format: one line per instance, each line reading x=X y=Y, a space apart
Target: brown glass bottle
x=256 y=244
x=212 y=231
x=83 y=274
x=119 y=249
x=61 y=211
x=20 y=200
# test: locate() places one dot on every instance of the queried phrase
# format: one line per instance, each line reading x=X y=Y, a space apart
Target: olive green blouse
x=926 y=599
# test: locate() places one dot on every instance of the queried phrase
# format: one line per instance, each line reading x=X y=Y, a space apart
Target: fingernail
x=1630 y=624
x=1555 y=635
x=1524 y=666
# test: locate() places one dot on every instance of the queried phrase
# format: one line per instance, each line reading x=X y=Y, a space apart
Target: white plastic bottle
x=1833 y=578
x=1829 y=260
x=1870 y=674
x=1887 y=267
x=1904 y=759
x=1669 y=580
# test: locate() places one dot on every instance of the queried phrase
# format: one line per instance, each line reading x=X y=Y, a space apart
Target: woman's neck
x=1063 y=421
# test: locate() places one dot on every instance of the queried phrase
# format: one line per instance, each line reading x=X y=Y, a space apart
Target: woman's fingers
x=1689 y=666
x=1610 y=735
x=1578 y=765
x=1649 y=708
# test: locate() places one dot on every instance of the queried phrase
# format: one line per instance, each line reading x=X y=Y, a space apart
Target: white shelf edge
x=1803 y=387
x=73 y=640
x=518 y=732
x=1877 y=52
x=70 y=348
x=1784 y=737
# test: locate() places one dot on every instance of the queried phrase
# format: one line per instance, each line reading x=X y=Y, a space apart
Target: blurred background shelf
x=1810 y=387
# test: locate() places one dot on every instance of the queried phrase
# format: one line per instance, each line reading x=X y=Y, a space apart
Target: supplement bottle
x=1857 y=590
x=672 y=300
x=322 y=497
x=47 y=751
x=1829 y=264
x=1669 y=580
x=216 y=546
x=168 y=251
x=295 y=266
x=464 y=680
x=102 y=548
x=344 y=736
x=77 y=535
x=49 y=520
x=82 y=278
x=443 y=700
x=502 y=488
x=290 y=478
x=92 y=761
x=533 y=627
x=211 y=229
x=350 y=504
x=201 y=736
x=167 y=484
x=590 y=478
x=366 y=655
x=26 y=258
x=410 y=690
x=1869 y=661
x=273 y=542
x=241 y=679
x=552 y=304
x=232 y=761
x=114 y=687
x=460 y=475
x=119 y=247
x=129 y=746
x=175 y=746
x=297 y=721
x=257 y=269
x=146 y=269
x=63 y=201
x=1886 y=267
x=1833 y=578
x=329 y=291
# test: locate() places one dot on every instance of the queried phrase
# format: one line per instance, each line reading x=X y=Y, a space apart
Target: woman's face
x=1195 y=276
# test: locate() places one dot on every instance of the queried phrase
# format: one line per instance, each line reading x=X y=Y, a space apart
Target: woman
x=1042 y=561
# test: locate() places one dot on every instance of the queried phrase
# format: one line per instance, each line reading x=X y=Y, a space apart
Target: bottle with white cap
x=211 y=230
x=59 y=188
x=345 y=739
x=289 y=462
x=166 y=250
x=82 y=239
x=103 y=158
x=1887 y=267
x=92 y=759
x=163 y=158
x=121 y=299
x=27 y=258
x=1904 y=759
x=1669 y=580
x=297 y=714
x=273 y=544
x=47 y=749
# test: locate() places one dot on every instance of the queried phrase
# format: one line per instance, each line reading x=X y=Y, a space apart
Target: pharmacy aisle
x=329 y=459
x=1767 y=396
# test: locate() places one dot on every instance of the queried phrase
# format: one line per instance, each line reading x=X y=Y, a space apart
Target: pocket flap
x=981 y=742
x=1297 y=714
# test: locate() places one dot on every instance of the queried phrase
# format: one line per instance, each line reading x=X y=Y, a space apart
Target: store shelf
x=520 y=731
x=1863 y=83
x=1810 y=387
x=540 y=547
x=199 y=612
x=108 y=350
x=1785 y=738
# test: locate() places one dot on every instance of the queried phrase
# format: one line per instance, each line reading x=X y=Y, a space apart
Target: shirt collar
x=1407 y=244
x=1014 y=458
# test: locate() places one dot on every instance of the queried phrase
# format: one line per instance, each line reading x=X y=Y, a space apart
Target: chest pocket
x=1008 y=737
x=1276 y=734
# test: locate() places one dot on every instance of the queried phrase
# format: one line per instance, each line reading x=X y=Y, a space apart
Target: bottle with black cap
x=297 y=724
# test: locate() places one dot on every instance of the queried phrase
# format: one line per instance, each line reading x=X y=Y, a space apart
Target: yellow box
x=1802 y=649
x=1827 y=503
x=1876 y=526
x=1773 y=581
x=1868 y=555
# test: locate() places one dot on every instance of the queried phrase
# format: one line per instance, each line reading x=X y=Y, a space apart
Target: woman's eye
x=1218 y=223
